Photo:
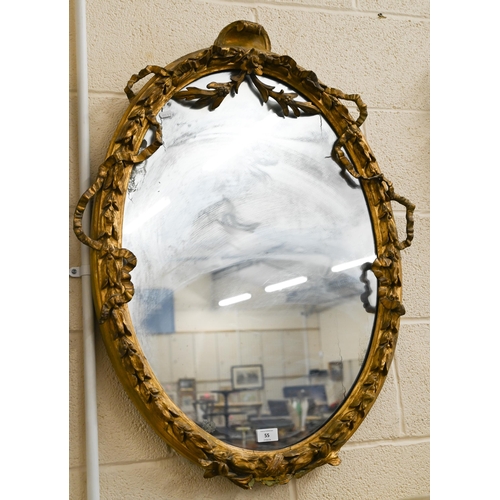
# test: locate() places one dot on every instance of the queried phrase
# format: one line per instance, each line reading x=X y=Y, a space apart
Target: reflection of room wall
x=338 y=323
x=208 y=357
x=350 y=48
x=286 y=342
x=336 y=327
x=200 y=350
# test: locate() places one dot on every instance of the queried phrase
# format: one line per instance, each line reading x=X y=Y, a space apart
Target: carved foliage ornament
x=243 y=48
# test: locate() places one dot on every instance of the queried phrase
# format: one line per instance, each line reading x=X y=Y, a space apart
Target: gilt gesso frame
x=244 y=49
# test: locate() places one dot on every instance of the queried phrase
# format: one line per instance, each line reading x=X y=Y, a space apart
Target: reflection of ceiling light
x=353 y=263
x=286 y=284
x=235 y=299
x=137 y=222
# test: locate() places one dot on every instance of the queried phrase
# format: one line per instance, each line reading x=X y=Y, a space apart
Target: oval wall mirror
x=245 y=262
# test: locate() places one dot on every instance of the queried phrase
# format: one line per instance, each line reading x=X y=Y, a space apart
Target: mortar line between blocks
x=406 y=441
x=318 y=8
x=126 y=463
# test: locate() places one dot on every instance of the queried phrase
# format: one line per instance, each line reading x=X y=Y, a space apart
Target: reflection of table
x=225 y=410
x=271 y=421
x=244 y=406
x=314 y=422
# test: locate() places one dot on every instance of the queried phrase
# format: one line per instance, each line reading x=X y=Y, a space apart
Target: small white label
x=265 y=435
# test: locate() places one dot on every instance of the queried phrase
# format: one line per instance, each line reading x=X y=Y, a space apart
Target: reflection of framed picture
x=336 y=370
x=186 y=384
x=247 y=377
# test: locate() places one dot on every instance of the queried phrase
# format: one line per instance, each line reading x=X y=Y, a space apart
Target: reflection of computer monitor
x=278 y=407
x=315 y=392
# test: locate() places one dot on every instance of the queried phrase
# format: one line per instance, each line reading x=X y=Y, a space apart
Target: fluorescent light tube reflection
x=235 y=299
x=286 y=284
x=353 y=263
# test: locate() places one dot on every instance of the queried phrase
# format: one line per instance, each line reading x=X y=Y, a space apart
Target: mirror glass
x=250 y=302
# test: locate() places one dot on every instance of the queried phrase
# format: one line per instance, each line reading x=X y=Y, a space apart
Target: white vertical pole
x=92 y=449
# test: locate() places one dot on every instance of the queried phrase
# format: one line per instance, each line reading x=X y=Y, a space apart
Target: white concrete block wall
x=350 y=48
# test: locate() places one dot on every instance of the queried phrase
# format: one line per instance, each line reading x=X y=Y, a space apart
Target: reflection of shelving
x=247 y=407
x=186 y=393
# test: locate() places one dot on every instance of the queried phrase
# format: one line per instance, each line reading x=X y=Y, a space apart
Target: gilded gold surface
x=243 y=48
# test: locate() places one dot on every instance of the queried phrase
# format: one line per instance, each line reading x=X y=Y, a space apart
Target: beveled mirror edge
x=111 y=265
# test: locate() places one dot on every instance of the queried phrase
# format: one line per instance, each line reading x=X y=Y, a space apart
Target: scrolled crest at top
x=244 y=34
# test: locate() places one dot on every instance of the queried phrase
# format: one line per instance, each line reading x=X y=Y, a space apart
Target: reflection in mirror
x=251 y=298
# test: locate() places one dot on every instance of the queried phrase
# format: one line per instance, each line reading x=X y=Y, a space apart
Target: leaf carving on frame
x=298 y=460
x=245 y=482
x=241 y=463
x=180 y=430
x=114 y=177
x=201 y=442
x=149 y=390
x=217 y=92
x=206 y=98
x=214 y=468
x=273 y=464
x=135 y=124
